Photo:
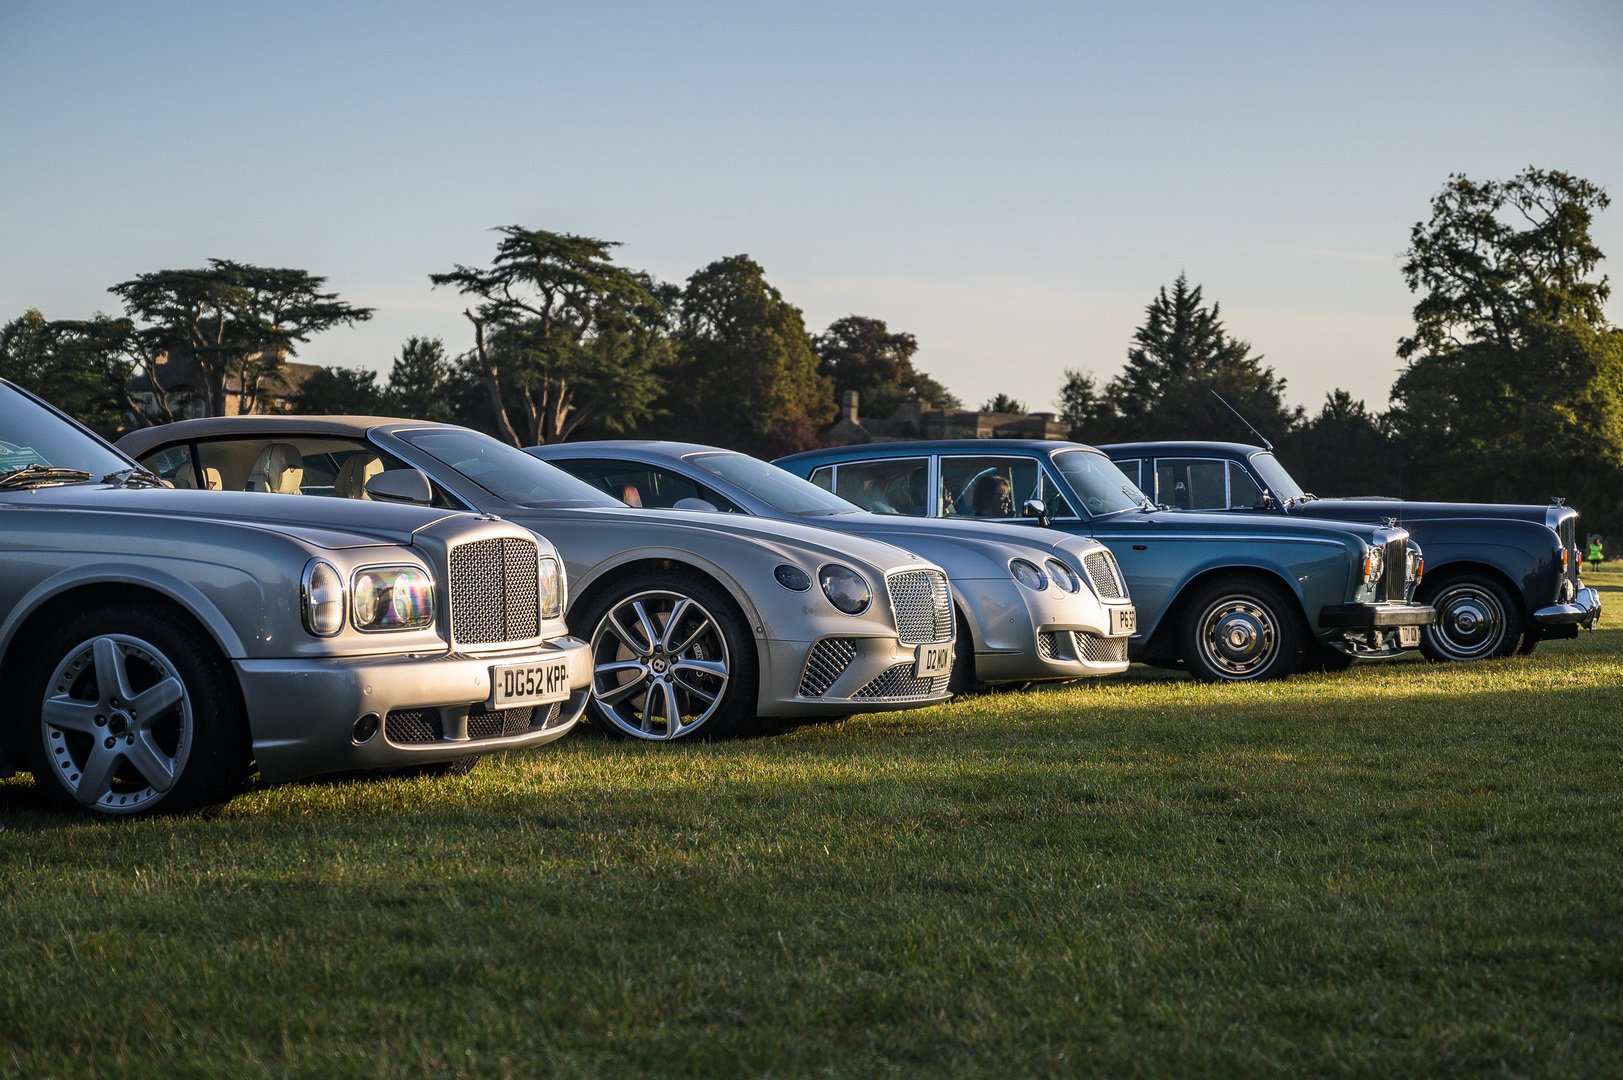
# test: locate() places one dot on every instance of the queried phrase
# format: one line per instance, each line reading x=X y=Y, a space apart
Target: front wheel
x=1477 y=619
x=134 y=711
x=671 y=659
x=1242 y=630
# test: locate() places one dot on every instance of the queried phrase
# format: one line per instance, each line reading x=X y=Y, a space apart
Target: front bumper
x=1374 y=631
x=303 y=713
x=1584 y=611
x=838 y=675
x=1021 y=635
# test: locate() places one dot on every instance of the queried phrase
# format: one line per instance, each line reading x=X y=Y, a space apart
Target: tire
x=962 y=678
x=134 y=711
x=672 y=659
x=1477 y=619
x=1242 y=630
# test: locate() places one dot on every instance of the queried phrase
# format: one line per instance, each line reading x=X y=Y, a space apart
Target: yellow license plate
x=515 y=685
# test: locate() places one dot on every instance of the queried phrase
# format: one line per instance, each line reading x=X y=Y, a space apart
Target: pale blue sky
x=1011 y=183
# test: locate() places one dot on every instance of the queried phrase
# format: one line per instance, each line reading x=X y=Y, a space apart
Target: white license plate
x=1123 y=620
x=931 y=660
x=514 y=685
x=1408 y=636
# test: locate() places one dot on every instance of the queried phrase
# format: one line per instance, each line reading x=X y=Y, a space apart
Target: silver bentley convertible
x=1032 y=604
x=697 y=622
x=156 y=645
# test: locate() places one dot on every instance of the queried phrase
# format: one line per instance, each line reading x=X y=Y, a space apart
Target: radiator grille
x=922 y=603
x=1102 y=650
x=495 y=591
x=828 y=660
x=1101 y=568
x=412 y=726
x=1394 y=575
x=899 y=682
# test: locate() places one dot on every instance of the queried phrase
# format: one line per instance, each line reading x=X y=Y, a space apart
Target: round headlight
x=321 y=596
x=845 y=588
x=792 y=577
x=1373 y=563
x=1028 y=575
x=391 y=598
x=1062 y=576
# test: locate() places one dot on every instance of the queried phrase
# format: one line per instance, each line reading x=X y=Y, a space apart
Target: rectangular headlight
x=552 y=588
x=391 y=598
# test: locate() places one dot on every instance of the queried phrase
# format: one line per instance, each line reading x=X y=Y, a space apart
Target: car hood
x=1379 y=509
x=1194 y=521
x=332 y=523
x=903 y=531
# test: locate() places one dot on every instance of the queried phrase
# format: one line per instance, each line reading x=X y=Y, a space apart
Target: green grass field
x=1401 y=869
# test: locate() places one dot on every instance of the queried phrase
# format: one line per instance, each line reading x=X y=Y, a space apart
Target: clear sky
x=1011 y=183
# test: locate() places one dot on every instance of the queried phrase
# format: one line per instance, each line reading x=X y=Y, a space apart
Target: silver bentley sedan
x=159 y=645
x=697 y=623
x=1032 y=604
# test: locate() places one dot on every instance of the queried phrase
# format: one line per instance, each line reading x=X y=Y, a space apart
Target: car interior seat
x=358 y=468
x=279 y=469
x=630 y=495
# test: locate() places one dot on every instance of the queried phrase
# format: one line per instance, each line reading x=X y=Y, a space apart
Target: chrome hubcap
x=1238 y=636
x=117 y=723
x=1471 y=622
x=660 y=665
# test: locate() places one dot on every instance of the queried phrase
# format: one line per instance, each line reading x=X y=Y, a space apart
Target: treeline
x=1513 y=388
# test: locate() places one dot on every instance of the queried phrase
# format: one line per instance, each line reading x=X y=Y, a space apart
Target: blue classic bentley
x=1231 y=598
x=1502 y=577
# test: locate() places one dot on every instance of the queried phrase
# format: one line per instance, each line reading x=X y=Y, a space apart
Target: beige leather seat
x=352 y=476
x=278 y=469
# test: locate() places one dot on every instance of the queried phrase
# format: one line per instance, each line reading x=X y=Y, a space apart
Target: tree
x=1003 y=403
x=1514 y=383
x=238 y=322
x=562 y=335
x=747 y=367
x=336 y=390
x=1083 y=407
x=1344 y=450
x=1178 y=357
x=418 y=380
x=861 y=354
x=83 y=366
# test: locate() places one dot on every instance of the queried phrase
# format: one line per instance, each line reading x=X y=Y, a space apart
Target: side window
x=983 y=486
x=175 y=465
x=1058 y=506
x=1192 y=483
x=823 y=477
x=324 y=467
x=674 y=486
x=1133 y=467
x=896 y=486
x=1244 y=492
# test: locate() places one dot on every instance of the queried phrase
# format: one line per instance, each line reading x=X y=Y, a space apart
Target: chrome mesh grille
x=412 y=726
x=899 y=682
x=495 y=591
x=1102 y=650
x=1101 y=568
x=553 y=714
x=495 y=724
x=923 y=606
x=1047 y=644
x=828 y=660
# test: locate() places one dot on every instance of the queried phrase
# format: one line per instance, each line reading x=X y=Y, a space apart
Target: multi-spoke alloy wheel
x=135 y=712
x=1476 y=620
x=665 y=661
x=1242 y=630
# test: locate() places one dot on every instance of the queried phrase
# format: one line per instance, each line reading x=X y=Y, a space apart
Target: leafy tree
x=861 y=354
x=1003 y=403
x=562 y=335
x=335 y=390
x=747 y=367
x=235 y=320
x=1083 y=407
x=1178 y=357
x=1344 y=450
x=82 y=366
x=418 y=381
x=1514 y=387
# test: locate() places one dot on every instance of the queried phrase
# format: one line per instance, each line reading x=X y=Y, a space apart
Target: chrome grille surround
x=1102 y=571
x=921 y=603
x=495 y=591
x=1394 y=574
x=825 y=663
x=900 y=682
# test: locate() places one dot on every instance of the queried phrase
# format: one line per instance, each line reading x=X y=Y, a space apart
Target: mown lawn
x=1402 y=869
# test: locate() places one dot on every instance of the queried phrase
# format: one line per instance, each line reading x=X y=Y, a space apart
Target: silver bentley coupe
x=1031 y=604
x=697 y=623
x=159 y=646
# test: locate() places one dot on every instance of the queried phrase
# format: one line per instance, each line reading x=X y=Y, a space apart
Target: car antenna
x=1266 y=445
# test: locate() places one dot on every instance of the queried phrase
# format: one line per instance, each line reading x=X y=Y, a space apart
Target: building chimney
x=848 y=405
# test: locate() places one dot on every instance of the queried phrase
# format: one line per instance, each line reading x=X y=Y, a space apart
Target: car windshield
x=1100 y=487
x=505 y=471
x=1276 y=479
x=781 y=490
x=35 y=439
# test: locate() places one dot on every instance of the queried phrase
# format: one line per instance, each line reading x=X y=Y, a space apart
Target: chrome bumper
x=1584 y=611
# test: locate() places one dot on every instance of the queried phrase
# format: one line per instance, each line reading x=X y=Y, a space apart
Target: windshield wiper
x=40 y=476
x=134 y=477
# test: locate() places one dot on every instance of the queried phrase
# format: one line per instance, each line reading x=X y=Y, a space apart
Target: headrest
x=278 y=469
x=357 y=469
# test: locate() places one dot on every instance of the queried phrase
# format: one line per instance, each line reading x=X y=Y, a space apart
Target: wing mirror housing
x=401 y=486
x=691 y=503
x=1035 y=508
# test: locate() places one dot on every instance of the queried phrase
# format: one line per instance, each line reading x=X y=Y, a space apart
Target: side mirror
x=690 y=503
x=401 y=486
x=1035 y=508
